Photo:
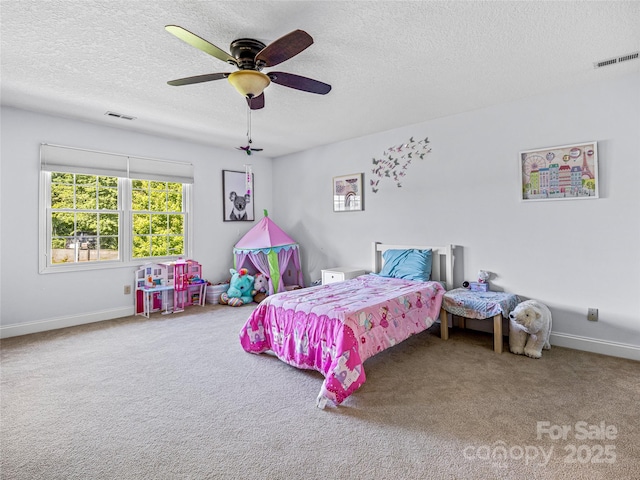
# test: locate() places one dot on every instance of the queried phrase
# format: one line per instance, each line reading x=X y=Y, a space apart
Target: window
x=84 y=219
x=158 y=219
x=100 y=209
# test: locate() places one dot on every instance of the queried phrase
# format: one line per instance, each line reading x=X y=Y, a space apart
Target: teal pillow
x=407 y=264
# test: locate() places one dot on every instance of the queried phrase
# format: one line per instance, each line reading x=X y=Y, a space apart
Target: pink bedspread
x=334 y=328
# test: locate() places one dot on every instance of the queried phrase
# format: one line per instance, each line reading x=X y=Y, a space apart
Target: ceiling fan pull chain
x=249 y=121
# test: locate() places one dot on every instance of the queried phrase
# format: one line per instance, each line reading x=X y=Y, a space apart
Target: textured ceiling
x=390 y=63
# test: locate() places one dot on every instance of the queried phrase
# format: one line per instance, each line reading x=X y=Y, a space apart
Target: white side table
x=340 y=274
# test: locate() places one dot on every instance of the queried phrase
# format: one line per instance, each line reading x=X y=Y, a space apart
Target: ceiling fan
x=250 y=57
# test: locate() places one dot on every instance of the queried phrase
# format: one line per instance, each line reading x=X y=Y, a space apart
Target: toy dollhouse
x=155 y=281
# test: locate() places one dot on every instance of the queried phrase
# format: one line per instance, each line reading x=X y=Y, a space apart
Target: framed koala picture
x=237 y=196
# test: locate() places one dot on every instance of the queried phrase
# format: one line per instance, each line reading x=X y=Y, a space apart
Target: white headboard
x=441 y=260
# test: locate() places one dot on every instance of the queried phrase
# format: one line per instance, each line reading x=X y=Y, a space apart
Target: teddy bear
x=483 y=276
x=240 y=288
x=529 y=328
x=260 y=287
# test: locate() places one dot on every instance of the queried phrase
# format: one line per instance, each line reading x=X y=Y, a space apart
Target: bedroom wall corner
x=572 y=254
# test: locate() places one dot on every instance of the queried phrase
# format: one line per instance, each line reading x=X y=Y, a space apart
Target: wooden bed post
x=444 y=324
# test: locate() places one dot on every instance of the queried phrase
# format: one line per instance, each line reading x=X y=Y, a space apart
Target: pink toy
x=267 y=244
x=483 y=276
x=260 y=287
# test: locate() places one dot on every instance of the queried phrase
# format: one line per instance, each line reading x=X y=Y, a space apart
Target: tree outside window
x=84 y=218
x=158 y=219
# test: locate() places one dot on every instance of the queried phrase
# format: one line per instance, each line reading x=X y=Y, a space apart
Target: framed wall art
x=566 y=172
x=237 y=196
x=347 y=193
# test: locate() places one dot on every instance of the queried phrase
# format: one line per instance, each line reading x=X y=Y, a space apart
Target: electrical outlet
x=592 y=315
x=127 y=289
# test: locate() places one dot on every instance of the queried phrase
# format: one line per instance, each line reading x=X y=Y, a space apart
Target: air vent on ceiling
x=120 y=115
x=613 y=61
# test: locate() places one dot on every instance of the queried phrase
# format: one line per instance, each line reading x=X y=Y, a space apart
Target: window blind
x=161 y=170
x=57 y=158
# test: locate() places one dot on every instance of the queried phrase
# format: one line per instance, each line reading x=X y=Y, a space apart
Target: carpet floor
x=176 y=397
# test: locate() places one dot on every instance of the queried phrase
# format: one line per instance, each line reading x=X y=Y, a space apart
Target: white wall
x=33 y=302
x=569 y=254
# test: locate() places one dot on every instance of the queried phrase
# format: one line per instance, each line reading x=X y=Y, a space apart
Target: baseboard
x=604 y=347
x=7 y=331
x=576 y=342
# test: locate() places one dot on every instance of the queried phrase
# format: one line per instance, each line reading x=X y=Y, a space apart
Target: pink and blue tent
x=268 y=250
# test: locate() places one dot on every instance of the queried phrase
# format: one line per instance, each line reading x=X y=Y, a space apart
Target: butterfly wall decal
x=395 y=161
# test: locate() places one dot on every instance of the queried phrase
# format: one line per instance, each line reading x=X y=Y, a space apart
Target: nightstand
x=340 y=274
x=479 y=305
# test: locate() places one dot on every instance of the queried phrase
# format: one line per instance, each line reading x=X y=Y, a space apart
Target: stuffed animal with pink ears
x=483 y=276
x=260 y=287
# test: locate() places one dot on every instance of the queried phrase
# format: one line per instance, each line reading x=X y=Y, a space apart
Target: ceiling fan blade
x=283 y=48
x=299 y=83
x=198 y=79
x=200 y=43
x=256 y=103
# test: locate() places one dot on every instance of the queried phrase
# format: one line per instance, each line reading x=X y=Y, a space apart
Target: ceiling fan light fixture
x=250 y=83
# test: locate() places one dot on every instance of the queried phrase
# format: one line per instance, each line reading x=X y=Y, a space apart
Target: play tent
x=268 y=250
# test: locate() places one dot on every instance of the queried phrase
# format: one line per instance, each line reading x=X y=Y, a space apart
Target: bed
x=334 y=328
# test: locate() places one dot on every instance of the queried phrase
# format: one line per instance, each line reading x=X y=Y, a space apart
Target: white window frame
x=125 y=227
x=186 y=205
